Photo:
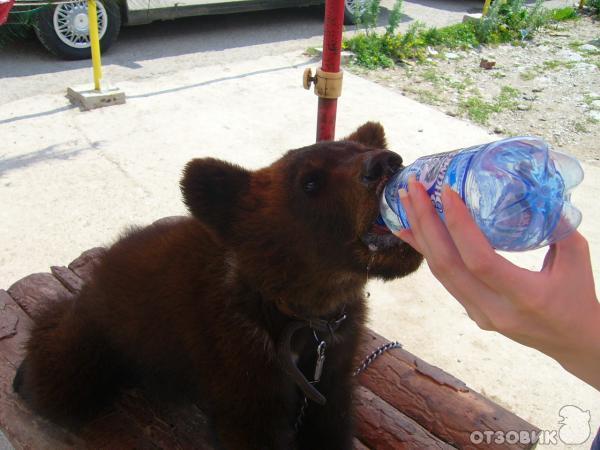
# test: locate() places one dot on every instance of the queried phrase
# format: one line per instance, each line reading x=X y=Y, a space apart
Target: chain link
x=364 y=365
x=301 y=412
x=376 y=354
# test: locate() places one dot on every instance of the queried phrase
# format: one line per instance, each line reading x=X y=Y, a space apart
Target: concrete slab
x=89 y=98
x=71 y=181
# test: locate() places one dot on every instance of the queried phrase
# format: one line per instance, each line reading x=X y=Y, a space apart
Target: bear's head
x=302 y=229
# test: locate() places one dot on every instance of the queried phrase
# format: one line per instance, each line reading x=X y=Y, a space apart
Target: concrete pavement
x=71 y=180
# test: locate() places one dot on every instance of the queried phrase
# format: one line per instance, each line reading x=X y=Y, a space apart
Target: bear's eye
x=312 y=183
x=310 y=186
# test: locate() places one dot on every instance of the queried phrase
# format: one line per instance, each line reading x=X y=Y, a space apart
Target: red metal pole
x=332 y=48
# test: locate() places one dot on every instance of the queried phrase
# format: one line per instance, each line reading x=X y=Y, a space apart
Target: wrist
x=583 y=359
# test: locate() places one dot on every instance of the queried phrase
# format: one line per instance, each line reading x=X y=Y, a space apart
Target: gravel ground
x=549 y=86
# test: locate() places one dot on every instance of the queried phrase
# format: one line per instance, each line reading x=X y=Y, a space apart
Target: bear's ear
x=211 y=190
x=370 y=134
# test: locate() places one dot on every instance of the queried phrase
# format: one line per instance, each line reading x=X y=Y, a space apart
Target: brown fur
x=196 y=308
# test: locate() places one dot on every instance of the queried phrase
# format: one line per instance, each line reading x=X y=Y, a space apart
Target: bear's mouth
x=379 y=237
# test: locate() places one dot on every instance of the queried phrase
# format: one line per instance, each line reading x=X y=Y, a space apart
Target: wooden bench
x=402 y=402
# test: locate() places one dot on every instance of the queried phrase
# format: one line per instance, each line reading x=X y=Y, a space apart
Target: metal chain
x=366 y=363
x=301 y=412
x=376 y=354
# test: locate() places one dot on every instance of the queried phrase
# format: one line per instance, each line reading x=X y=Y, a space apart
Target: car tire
x=350 y=12
x=63 y=30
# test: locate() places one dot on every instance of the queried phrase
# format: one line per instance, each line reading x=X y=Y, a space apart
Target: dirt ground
x=549 y=86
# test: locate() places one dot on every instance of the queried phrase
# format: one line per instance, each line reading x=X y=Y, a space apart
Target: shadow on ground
x=174 y=38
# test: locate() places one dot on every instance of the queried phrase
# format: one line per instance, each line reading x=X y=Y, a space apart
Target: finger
x=415 y=235
x=476 y=252
x=428 y=229
x=573 y=255
x=549 y=259
x=407 y=236
x=443 y=258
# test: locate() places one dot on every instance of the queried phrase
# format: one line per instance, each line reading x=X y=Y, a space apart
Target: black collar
x=285 y=356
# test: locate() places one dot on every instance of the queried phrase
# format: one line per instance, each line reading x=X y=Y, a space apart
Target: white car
x=62 y=26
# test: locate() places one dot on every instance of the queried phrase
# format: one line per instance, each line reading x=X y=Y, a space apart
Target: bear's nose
x=380 y=164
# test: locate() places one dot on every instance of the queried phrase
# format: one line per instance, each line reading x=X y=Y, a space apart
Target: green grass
x=431 y=75
x=528 y=75
x=507 y=99
x=508 y=22
x=575 y=45
x=595 y=5
x=477 y=109
x=480 y=110
x=426 y=96
x=566 y=13
x=588 y=99
x=552 y=64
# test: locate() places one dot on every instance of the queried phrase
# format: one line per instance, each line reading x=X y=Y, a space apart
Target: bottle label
x=434 y=171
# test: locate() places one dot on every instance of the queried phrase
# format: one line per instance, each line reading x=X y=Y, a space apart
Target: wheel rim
x=72 y=26
x=352 y=4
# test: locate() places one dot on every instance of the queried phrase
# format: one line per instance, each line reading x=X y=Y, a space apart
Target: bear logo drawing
x=574 y=425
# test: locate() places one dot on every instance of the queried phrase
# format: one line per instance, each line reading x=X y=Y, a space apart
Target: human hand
x=555 y=310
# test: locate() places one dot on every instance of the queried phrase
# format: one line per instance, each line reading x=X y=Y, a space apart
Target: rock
x=432 y=51
x=595 y=104
x=530 y=98
x=537 y=89
x=522 y=107
x=498 y=130
x=594 y=115
x=589 y=48
x=569 y=55
x=450 y=55
x=584 y=67
x=420 y=130
x=451 y=113
x=476 y=17
x=487 y=64
x=345 y=55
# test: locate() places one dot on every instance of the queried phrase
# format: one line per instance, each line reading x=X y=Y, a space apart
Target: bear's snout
x=380 y=164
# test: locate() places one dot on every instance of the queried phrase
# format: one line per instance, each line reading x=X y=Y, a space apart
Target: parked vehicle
x=63 y=28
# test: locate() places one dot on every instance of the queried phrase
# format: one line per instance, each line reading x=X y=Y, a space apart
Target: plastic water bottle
x=517 y=190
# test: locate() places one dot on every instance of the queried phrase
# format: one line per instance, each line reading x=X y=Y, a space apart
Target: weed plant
x=508 y=21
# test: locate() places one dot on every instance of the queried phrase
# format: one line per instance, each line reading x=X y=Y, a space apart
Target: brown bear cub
x=248 y=308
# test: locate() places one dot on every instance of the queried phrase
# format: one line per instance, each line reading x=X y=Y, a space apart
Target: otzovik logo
x=574 y=429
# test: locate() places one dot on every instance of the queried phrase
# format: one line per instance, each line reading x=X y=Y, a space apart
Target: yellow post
x=486 y=7
x=95 y=42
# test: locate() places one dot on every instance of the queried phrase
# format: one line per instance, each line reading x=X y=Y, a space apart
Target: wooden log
x=84 y=265
x=23 y=429
x=169 y=220
x=68 y=278
x=29 y=291
x=383 y=427
x=435 y=399
x=403 y=401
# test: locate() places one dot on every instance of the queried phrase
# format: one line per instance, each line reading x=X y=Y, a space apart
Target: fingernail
x=403 y=193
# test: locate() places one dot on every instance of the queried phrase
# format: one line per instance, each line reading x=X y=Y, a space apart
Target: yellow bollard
x=486 y=7
x=95 y=42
